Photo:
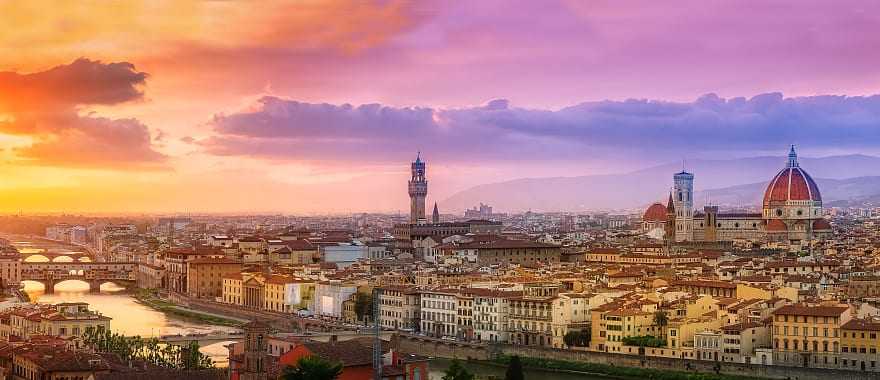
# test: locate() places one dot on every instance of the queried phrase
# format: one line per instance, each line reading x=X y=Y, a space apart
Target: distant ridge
x=856 y=174
x=855 y=192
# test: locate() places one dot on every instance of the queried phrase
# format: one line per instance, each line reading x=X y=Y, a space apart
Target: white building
x=399 y=308
x=490 y=314
x=344 y=254
x=571 y=312
x=439 y=311
x=329 y=296
x=220 y=241
x=297 y=297
x=67 y=233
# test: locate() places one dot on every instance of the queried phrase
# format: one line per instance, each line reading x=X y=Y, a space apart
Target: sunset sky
x=318 y=106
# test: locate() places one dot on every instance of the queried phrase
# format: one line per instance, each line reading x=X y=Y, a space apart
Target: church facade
x=791 y=212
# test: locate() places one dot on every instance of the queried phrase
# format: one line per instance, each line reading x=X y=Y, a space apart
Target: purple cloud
x=278 y=128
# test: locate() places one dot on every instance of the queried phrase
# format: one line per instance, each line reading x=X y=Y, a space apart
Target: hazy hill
x=835 y=192
x=638 y=188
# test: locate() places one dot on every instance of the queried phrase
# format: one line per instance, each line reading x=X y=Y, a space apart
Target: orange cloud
x=46 y=107
x=39 y=31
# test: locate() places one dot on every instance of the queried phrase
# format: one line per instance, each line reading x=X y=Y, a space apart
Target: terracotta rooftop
x=817 y=311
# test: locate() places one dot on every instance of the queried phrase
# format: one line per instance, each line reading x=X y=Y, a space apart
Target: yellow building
x=603 y=255
x=612 y=322
x=66 y=320
x=859 y=345
x=278 y=293
x=680 y=332
x=232 y=288
x=530 y=316
x=624 y=323
x=745 y=291
x=808 y=336
x=273 y=298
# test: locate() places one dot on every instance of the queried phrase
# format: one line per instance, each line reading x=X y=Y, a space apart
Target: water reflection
x=36 y=259
x=129 y=317
x=487 y=371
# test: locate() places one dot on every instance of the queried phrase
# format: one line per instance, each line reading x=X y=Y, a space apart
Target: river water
x=486 y=371
x=128 y=316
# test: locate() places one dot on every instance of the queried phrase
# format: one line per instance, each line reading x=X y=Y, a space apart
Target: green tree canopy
x=148 y=350
x=644 y=341
x=363 y=305
x=457 y=372
x=312 y=368
x=577 y=338
x=514 y=369
x=660 y=318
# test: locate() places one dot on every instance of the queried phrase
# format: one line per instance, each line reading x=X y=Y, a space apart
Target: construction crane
x=377 y=340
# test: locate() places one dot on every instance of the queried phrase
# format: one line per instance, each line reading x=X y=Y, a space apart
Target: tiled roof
x=350 y=352
x=817 y=311
x=861 y=325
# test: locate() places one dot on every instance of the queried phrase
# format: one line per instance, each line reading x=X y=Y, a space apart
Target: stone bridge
x=95 y=274
x=54 y=256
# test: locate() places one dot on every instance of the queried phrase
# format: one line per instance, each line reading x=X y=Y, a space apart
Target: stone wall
x=440 y=348
x=448 y=349
x=675 y=364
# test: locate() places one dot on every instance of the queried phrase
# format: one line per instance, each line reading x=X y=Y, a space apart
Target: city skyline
x=318 y=106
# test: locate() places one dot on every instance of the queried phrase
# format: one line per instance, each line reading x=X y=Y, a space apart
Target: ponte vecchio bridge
x=57 y=257
x=93 y=273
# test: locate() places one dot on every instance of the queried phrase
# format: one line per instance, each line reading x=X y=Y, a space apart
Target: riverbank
x=610 y=371
x=151 y=300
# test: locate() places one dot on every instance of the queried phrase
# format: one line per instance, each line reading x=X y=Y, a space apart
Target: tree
x=661 y=320
x=148 y=350
x=312 y=368
x=363 y=305
x=514 y=369
x=644 y=341
x=577 y=338
x=457 y=372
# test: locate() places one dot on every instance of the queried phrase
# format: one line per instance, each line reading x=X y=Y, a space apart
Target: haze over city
x=319 y=106
x=440 y=190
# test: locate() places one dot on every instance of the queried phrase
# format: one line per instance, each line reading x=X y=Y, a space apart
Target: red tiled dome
x=655 y=213
x=776 y=225
x=792 y=184
x=821 y=224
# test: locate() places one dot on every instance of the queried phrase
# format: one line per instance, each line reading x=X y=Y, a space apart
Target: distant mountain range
x=735 y=182
x=835 y=192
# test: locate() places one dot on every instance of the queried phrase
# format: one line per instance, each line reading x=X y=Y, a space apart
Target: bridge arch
x=62 y=259
x=73 y=285
x=32 y=285
x=109 y=285
x=36 y=258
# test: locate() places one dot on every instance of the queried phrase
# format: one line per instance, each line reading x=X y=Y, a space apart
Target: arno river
x=129 y=317
x=487 y=371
